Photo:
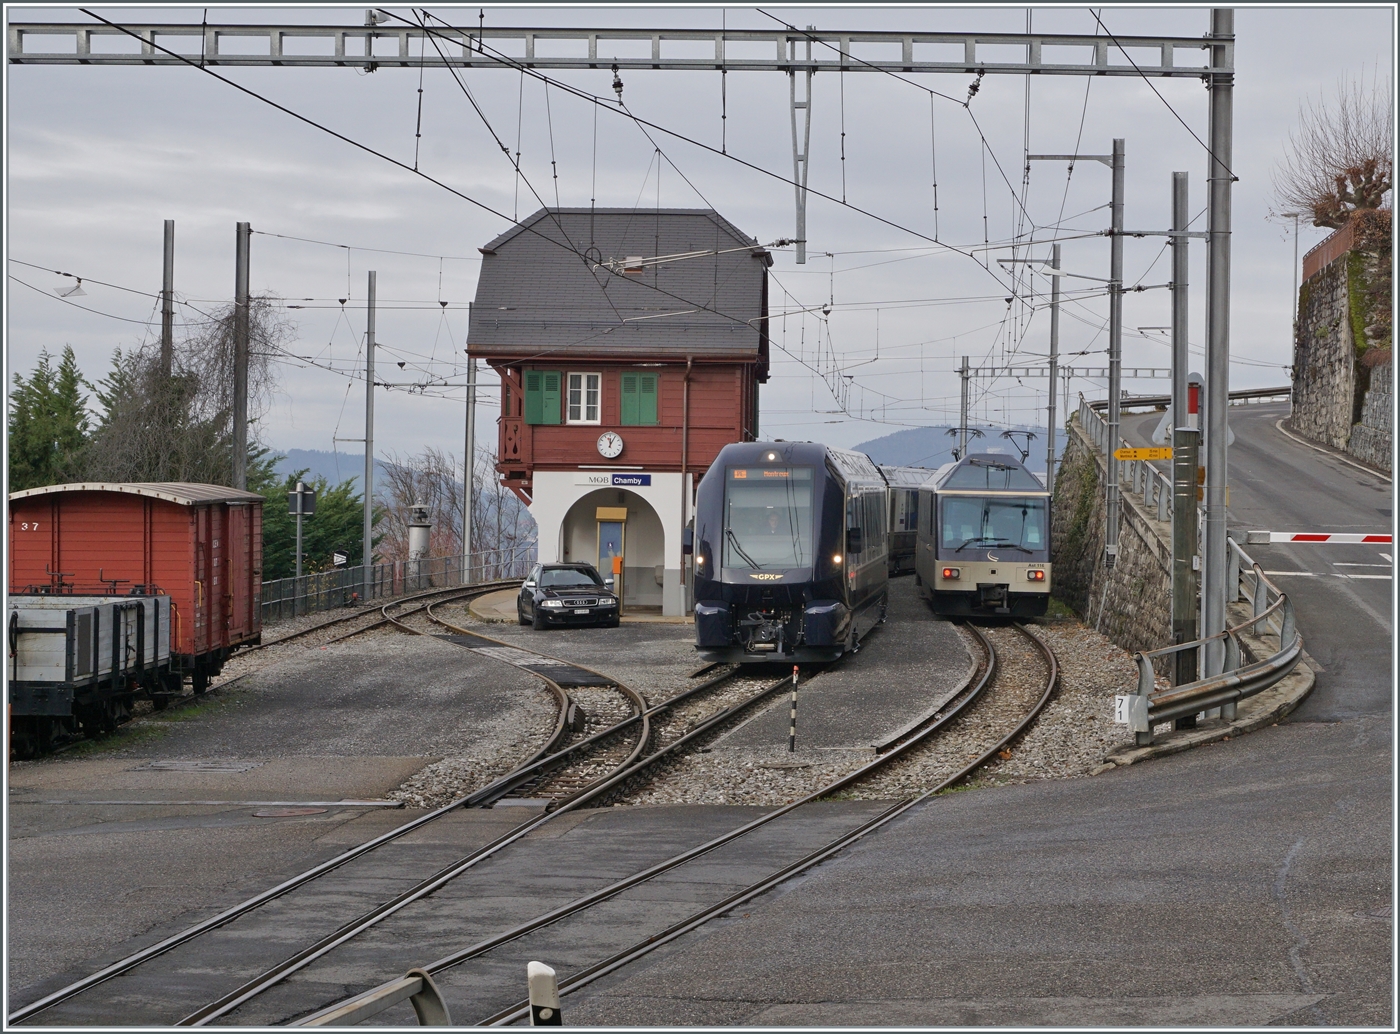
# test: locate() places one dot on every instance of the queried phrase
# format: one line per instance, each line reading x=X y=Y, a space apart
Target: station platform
x=499 y=608
x=907 y=669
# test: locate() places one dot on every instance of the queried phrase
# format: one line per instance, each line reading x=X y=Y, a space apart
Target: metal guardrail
x=285 y=598
x=1243 y=395
x=1238 y=680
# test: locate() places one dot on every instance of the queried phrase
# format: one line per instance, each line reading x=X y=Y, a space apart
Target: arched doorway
x=601 y=520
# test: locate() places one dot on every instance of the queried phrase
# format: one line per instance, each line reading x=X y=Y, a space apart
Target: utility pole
x=1222 y=86
x=240 y=357
x=369 y=441
x=962 y=411
x=1115 y=356
x=468 y=468
x=1294 y=216
x=167 y=304
x=1054 y=367
x=1186 y=442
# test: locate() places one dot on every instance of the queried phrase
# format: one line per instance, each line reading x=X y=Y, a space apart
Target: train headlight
x=1035 y=575
x=836 y=559
x=699 y=561
x=952 y=574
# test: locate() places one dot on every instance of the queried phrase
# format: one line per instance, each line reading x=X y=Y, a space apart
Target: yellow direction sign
x=1143 y=454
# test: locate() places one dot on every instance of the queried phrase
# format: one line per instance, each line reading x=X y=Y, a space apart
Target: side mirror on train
x=687 y=541
x=854 y=541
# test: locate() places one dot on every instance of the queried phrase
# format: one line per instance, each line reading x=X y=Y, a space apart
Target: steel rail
x=628 y=767
x=914 y=738
x=269 y=978
x=649 y=944
x=233 y=912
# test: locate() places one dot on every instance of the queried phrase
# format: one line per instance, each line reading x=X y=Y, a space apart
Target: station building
x=630 y=346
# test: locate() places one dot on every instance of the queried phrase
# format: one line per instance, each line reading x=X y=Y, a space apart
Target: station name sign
x=607 y=479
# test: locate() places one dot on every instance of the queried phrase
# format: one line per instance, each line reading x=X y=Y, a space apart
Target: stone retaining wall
x=1371 y=439
x=1341 y=358
x=1324 y=359
x=1131 y=603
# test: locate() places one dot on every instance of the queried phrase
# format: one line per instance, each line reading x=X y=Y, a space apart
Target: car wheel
x=520 y=614
x=539 y=621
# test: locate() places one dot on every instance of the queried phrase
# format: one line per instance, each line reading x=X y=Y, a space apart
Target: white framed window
x=585 y=398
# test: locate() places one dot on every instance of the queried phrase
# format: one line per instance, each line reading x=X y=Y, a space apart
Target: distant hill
x=932 y=447
x=335 y=467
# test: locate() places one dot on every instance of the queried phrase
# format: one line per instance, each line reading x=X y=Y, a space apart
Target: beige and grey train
x=984 y=539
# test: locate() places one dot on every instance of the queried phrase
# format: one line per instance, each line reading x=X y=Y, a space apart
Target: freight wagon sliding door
x=239 y=573
x=219 y=596
x=199 y=518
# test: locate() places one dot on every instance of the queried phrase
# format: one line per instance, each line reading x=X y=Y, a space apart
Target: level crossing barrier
x=416 y=986
x=284 y=598
x=1270 y=608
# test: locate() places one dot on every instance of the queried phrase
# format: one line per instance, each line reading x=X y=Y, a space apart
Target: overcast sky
x=99 y=157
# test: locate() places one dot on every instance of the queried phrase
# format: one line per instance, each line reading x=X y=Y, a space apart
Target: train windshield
x=976 y=523
x=768 y=518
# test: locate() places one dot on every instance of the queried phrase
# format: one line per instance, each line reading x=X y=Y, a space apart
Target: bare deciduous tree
x=433 y=478
x=1339 y=158
x=154 y=428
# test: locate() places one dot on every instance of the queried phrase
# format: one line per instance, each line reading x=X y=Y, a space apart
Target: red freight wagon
x=199 y=544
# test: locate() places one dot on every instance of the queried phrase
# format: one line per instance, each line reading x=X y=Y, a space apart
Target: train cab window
x=972 y=522
x=768 y=518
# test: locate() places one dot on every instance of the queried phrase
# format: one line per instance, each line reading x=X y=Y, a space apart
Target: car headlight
x=551 y=603
x=607 y=601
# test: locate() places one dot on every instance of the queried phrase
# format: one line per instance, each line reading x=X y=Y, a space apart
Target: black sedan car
x=566 y=594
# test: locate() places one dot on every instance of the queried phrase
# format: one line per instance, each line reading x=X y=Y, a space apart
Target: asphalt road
x=1342 y=593
x=1246 y=883
x=352 y=722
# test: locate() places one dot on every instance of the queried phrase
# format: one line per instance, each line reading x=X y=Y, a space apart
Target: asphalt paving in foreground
x=1245 y=883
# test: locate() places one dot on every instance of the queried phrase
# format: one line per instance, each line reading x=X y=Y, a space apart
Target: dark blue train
x=791 y=553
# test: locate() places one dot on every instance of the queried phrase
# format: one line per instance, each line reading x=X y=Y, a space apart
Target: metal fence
x=346 y=586
x=1139 y=476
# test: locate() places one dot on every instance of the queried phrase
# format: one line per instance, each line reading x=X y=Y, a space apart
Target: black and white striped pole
x=544 y=996
x=792 y=726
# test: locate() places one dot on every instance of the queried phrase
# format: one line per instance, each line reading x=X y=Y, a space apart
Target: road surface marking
x=1324 y=574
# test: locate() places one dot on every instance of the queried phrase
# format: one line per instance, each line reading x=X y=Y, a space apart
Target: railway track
x=455 y=592
x=479 y=986
x=549 y=771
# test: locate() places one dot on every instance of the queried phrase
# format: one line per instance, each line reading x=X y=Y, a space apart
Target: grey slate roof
x=537 y=297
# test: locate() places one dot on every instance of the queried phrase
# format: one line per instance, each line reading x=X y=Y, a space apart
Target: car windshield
x=570 y=578
x=969 y=522
x=768 y=518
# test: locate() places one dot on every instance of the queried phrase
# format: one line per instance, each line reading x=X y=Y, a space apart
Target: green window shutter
x=534 y=397
x=631 y=408
x=648 y=398
x=550 y=397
